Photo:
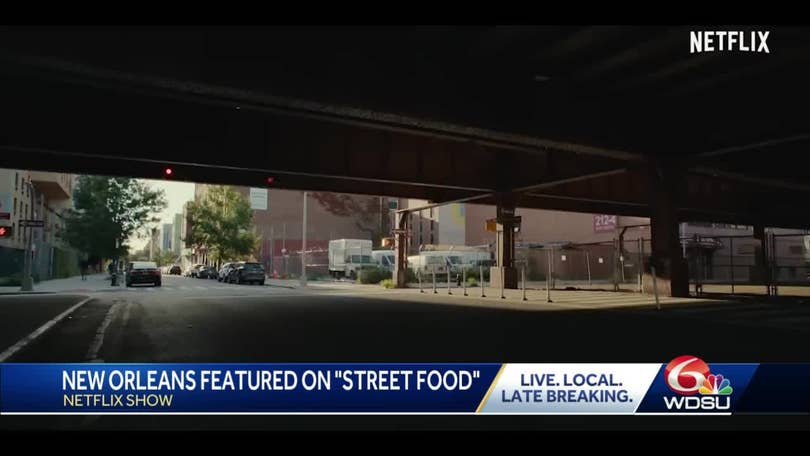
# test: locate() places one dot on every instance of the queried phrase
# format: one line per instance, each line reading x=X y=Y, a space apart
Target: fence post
x=503 y=271
x=655 y=288
x=639 y=265
x=419 y=277
x=731 y=261
x=551 y=269
x=481 y=276
x=548 y=277
x=464 y=280
x=523 y=280
x=588 y=263
x=448 y=281
x=433 y=270
x=774 y=266
x=615 y=264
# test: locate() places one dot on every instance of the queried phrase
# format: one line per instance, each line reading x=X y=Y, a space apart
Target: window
x=796 y=249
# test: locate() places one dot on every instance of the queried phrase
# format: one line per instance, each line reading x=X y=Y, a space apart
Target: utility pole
x=382 y=231
x=304 y=246
x=27 y=281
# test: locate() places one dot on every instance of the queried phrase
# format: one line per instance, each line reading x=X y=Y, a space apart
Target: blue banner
x=684 y=385
x=244 y=388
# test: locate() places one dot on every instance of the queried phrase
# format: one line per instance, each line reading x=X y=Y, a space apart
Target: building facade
x=177 y=234
x=166 y=237
x=36 y=195
x=279 y=224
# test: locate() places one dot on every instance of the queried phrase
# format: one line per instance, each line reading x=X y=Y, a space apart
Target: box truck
x=348 y=256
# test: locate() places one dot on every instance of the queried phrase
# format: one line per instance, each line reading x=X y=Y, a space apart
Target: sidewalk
x=94 y=282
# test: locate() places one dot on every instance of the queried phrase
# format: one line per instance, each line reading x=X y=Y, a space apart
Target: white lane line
x=11 y=351
x=125 y=318
x=98 y=341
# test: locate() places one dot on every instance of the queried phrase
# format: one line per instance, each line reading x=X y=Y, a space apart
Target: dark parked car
x=206 y=272
x=175 y=270
x=244 y=272
x=194 y=269
x=143 y=272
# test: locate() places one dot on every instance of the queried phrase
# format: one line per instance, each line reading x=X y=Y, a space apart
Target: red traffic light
x=168 y=171
x=5 y=231
x=270 y=179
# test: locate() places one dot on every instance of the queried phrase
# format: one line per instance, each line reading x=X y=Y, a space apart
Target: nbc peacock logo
x=689 y=375
x=716 y=384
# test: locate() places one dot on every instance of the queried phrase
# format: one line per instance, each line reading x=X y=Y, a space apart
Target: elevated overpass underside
x=619 y=120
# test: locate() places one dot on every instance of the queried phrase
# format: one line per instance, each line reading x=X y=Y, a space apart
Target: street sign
x=32 y=223
x=258 y=199
x=604 y=223
x=492 y=225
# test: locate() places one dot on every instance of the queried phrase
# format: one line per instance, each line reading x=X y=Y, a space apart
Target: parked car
x=143 y=272
x=244 y=272
x=224 y=271
x=175 y=270
x=194 y=269
x=206 y=272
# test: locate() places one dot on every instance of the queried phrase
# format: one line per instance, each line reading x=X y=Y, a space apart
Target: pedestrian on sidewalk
x=83 y=267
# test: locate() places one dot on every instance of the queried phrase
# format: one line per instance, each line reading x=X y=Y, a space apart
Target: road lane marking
x=98 y=341
x=11 y=351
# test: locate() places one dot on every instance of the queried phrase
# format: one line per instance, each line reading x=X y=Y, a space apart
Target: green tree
x=222 y=221
x=107 y=211
x=165 y=257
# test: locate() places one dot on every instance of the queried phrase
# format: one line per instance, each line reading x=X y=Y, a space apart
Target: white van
x=384 y=259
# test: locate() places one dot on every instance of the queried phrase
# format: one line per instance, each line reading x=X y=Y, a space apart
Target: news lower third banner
x=685 y=385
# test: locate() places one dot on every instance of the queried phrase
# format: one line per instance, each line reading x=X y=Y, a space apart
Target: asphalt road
x=22 y=314
x=192 y=320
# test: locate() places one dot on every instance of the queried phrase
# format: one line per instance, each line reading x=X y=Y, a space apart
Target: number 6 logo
x=685 y=374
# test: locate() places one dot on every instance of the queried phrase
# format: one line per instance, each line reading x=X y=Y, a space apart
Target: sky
x=176 y=193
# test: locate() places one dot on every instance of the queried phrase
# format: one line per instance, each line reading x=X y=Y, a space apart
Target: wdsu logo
x=696 y=387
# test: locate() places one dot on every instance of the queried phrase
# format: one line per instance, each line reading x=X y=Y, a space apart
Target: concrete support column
x=672 y=273
x=401 y=250
x=505 y=242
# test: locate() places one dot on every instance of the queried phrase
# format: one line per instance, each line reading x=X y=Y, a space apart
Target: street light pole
x=304 y=246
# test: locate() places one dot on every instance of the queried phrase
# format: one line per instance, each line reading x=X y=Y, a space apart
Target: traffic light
x=5 y=231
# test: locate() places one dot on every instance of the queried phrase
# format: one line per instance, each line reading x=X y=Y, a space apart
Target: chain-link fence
x=289 y=266
x=719 y=264
x=605 y=265
x=742 y=263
